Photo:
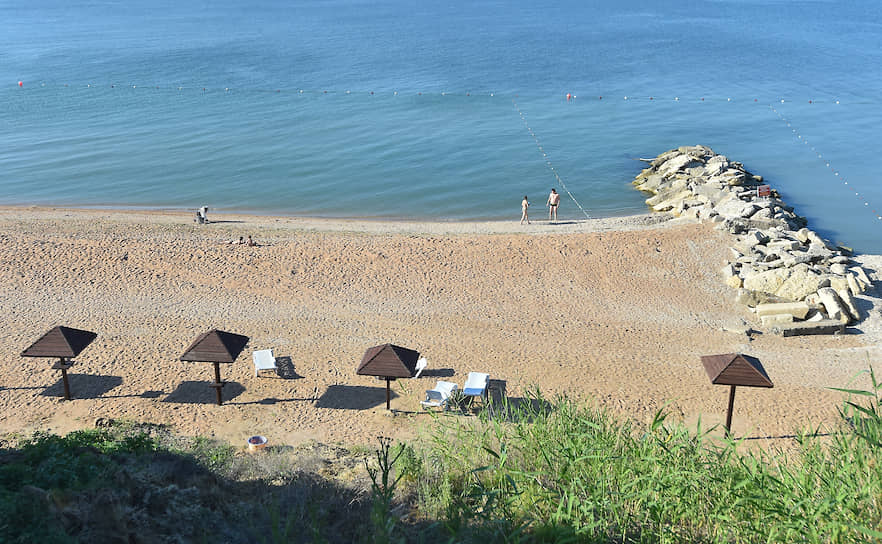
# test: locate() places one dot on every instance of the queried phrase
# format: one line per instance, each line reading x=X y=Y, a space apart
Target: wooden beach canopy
x=735 y=369
x=216 y=347
x=60 y=342
x=64 y=343
x=390 y=362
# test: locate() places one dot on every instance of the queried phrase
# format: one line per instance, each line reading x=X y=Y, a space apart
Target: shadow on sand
x=353 y=397
x=201 y=393
x=785 y=436
x=286 y=369
x=85 y=386
x=270 y=401
x=437 y=373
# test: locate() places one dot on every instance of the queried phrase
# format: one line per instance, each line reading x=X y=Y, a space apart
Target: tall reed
x=561 y=472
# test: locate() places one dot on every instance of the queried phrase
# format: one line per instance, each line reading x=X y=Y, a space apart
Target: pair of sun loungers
x=475 y=387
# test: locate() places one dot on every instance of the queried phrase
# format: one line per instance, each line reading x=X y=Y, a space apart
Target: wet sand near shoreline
x=614 y=311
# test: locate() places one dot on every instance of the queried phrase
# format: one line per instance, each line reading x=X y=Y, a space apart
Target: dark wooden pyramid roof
x=735 y=369
x=389 y=361
x=60 y=342
x=215 y=346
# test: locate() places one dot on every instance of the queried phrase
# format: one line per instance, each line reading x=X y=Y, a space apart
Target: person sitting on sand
x=240 y=242
x=553 y=202
x=250 y=242
x=524 y=205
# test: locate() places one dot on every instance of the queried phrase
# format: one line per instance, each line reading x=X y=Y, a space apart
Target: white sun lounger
x=476 y=385
x=421 y=365
x=264 y=360
x=439 y=396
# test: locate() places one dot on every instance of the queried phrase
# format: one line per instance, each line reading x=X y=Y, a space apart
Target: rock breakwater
x=780 y=268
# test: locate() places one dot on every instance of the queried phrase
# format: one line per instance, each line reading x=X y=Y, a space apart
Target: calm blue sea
x=402 y=109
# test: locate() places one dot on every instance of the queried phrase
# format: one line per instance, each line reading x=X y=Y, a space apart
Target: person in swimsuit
x=553 y=202
x=524 y=205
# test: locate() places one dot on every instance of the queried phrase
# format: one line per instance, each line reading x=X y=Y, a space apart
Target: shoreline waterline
x=236 y=220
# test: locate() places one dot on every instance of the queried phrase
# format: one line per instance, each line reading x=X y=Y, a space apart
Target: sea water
x=443 y=111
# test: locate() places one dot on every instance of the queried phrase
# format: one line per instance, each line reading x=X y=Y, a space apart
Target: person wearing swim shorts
x=553 y=203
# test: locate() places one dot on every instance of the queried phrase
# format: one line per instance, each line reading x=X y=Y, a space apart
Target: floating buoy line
x=569 y=97
x=548 y=163
x=835 y=172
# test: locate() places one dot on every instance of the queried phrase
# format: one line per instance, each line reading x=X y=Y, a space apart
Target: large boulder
x=651 y=183
x=668 y=200
x=678 y=164
x=755 y=237
x=695 y=171
x=764 y=214
x=839 y=283
x=668 y=190
x=833 y=305
x=768 y=281
x=775 y=319
x=850 y=304
x=696 y=150
x=799 y=310
x=783 y=244
x=734 y=177
x=819 y=252
x=815 y=239
x=854 y=285
x=861 y=276
x=793 y=258
x=801 y=282
x=736 y=208
x=713 y=192
x=752 y=299
x=838 y=269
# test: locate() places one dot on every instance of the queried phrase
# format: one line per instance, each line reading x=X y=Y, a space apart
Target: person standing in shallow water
x=524 y=205
x=553 y=202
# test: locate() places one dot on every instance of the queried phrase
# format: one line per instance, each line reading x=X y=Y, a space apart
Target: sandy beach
x=614 y=311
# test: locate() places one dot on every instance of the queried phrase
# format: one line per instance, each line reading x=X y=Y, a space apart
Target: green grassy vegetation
x=140 y=483
x=567 y=473
x=537 y=472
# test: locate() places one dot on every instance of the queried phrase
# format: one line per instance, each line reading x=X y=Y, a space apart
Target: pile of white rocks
x=782 y=270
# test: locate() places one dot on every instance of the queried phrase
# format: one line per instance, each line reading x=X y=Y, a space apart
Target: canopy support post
x=218 y=384
x=729 y=414
x=62 y=364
